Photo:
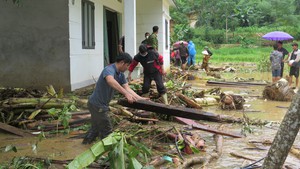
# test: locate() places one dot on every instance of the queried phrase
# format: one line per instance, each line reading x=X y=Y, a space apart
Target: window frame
x=88 y=24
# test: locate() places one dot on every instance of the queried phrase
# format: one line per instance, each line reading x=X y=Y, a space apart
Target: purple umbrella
x=277 y=36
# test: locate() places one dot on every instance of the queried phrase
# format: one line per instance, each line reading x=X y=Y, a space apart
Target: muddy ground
x=63 y=147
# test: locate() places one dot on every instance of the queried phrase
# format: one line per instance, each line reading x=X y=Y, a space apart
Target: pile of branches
x=39 y=110
x=6 y=93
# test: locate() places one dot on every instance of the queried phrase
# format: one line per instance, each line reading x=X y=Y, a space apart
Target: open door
x=111 y=36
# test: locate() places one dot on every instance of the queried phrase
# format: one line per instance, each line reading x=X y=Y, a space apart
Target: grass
x=239 y=54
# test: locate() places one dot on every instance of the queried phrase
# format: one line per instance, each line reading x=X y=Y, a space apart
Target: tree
x=285 y=136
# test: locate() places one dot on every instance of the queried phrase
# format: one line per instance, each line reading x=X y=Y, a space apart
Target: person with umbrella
x=293 y=60
x=284 y=52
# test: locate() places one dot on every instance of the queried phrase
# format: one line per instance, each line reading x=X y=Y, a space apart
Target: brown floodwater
x=62 y=148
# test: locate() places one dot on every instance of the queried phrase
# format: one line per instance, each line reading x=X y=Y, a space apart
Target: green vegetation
x=237 y=54
x=26 y=163
x=240 y=23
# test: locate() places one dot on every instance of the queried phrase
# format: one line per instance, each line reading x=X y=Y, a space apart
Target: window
x=88 y=25
x=167 y=34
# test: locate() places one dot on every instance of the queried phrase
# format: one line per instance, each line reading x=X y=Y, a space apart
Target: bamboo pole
x=188 y=101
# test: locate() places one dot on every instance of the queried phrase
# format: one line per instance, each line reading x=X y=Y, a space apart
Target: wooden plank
x=189 y=113
x=205 y=128
x=14 y=130
x=237 y=83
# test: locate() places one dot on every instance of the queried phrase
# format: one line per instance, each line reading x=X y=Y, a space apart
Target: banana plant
x=121 y=154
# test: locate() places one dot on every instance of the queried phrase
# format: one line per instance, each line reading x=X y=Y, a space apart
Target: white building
x=67 y=43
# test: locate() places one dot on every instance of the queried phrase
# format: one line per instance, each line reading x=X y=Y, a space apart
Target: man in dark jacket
x=184 y=53
x=284 y=52
x=152 y=63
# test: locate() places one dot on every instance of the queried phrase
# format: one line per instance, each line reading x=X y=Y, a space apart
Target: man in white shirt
x=294 y=59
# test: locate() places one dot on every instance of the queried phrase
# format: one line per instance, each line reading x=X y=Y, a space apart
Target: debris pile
x=279 y=91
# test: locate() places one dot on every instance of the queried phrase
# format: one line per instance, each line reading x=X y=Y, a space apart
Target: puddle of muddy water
x=256 y=108
x=56 y=148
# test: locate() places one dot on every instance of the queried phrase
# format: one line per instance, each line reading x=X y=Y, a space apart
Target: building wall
x=87 y=64
x=149 y=14
x=34 y=44
x=166 y=41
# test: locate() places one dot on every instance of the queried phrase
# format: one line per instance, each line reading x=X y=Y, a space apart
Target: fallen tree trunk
x=193 y=161
x=35 y=102
x=219 y=144
x=285 y=136
x=217 y=152
x=195 y=114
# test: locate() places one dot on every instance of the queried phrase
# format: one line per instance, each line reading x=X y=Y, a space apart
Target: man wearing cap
x=294 y=59
x=206 y=58
x=152 y=63
x=208 y=51
x=284 y=52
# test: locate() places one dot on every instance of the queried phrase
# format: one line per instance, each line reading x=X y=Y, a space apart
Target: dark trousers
x=101 y=125
x=282 y=68
x=157 y=77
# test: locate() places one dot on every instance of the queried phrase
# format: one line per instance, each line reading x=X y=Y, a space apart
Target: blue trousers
x=191 y=60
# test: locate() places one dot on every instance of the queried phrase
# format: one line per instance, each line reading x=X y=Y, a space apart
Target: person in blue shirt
x=111 y=79
x=192 y=53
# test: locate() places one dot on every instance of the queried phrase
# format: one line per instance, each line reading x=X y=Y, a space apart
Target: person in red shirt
x=152 y=63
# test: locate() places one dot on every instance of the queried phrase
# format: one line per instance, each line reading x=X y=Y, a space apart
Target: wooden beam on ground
x=195 y=114
x=237 y=83
x=14 y=130
x=205 y=128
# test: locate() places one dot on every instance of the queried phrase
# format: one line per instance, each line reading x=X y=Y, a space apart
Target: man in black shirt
x=284 y=52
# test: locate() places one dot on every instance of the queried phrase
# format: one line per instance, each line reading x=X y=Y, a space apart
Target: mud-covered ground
x=63 y=147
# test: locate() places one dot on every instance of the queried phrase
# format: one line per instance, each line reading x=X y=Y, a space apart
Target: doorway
x=111 y=36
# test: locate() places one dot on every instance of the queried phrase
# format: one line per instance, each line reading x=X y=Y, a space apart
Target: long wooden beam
x=237 y=83
x=189 y=113
x=198 y=126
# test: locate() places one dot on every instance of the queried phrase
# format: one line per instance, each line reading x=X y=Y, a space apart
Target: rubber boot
x=165 y=98
x=90 y=136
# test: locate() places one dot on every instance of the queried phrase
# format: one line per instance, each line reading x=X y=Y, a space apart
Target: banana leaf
x=98 y=149
x=121 y=154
